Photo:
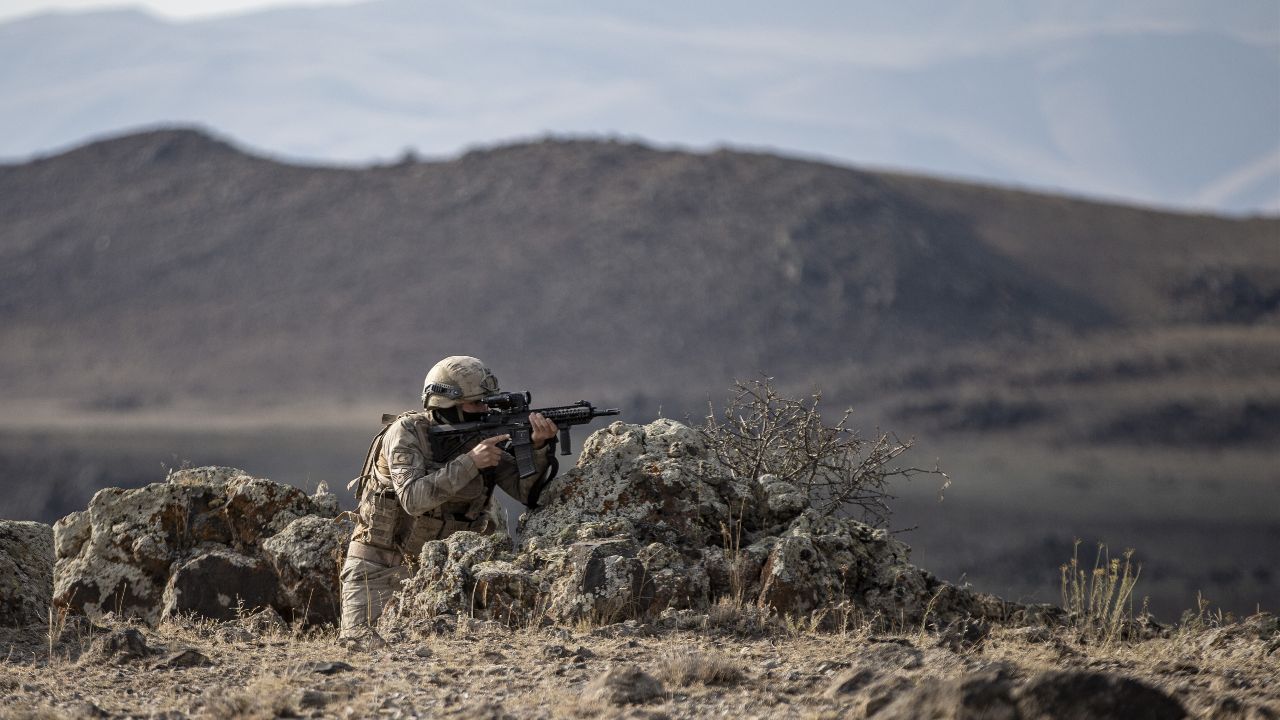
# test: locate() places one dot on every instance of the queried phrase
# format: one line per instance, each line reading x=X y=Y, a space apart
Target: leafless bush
x=763 y=432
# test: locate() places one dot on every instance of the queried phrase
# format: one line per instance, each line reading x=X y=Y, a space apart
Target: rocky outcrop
x=26 y=573
x=1055 y=695
x=210 y=541
x=648 y=521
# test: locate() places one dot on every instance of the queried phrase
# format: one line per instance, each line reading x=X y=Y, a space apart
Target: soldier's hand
x=487 y=454
x=543 y=429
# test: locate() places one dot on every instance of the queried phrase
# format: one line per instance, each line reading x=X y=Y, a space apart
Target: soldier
x=407 y=497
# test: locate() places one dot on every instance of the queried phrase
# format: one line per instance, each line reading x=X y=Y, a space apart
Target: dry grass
x=685 y=669
x=485 y=670
x=1100 y=602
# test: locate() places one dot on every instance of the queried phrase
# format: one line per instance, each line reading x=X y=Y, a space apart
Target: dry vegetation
x=753 y=666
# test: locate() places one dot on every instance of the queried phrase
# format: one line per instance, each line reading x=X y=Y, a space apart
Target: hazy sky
x=1172 y=102
x=168 y=8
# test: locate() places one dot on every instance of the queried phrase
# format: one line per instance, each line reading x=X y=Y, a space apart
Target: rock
x=890 y=656
x=1077 y=695
x=306 y=557
x=122 y=553
x=245 y=629
x=26 y=573
x=849 y=682
x=964 y=635
x=118 y=646
x=183 y=659
x=70 y=534
x=606 y=582
x=649 y=524
x=86 y=709
x=880 y=693
x=987 y=696
x=327 y=667
x=626 y=685
x=220 y=585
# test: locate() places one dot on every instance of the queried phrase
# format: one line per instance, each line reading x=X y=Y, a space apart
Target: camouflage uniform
x=411 y=498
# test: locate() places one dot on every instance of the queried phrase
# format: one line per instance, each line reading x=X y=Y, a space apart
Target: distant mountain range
x=171 y=265
x=1170 y=103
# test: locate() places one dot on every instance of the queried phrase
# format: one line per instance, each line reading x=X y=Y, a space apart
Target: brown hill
x=169 y=264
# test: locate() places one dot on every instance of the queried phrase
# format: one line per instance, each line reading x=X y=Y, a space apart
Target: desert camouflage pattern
x=412 y=499
x=463 y=372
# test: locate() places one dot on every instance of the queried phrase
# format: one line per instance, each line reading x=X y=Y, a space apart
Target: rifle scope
x=508 y=401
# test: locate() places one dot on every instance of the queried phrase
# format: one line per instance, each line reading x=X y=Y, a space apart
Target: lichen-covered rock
x=70 y=534
x=26 y=572
x=220 y=585
x=307 y=557
x=123 y=552
x=648 y=521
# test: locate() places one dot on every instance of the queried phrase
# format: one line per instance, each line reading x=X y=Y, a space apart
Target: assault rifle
x=509 y=415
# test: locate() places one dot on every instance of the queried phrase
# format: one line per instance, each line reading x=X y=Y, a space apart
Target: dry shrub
x=685 y=669
x=763 y=432
x=1100 y=603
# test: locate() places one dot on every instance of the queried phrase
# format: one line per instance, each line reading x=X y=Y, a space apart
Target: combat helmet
x=455 y=380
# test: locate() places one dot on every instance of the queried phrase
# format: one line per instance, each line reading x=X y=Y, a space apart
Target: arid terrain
x=722 y=666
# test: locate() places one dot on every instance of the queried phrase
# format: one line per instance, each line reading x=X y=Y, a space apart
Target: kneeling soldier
x=407 y=497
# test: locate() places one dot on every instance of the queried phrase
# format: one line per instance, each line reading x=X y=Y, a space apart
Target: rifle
x=509 y=415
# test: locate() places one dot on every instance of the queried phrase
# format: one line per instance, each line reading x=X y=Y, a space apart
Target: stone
x=123 y=552
x=648 y=524
x=186 y=658
x=626 y=685
x=70 y=534
x=1077 y=695
x=118 y=646
x=26 y=573
x=988 y=696
x=220 y=585
x=849 y=682
x=890 y=656
x=964 y=635
x=306 y=557
x=327 y=667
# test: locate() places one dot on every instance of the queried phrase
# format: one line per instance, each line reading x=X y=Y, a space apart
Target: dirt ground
x=468 y=669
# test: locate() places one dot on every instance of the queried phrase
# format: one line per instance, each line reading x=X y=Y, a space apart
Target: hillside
x=1081 y=368
x=178 y=266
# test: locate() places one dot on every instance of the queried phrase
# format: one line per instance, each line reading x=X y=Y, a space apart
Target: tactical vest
x=385 y=533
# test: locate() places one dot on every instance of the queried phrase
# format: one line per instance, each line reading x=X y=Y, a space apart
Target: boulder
x=1080 y=695
x=153 y=551
x=220 y=585
x=307 y=557
x=649 y=521
x=1054 y=695
x=987 y=695
x=26 y=573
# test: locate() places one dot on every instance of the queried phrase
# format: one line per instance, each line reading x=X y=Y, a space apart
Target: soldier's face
x=477 y=408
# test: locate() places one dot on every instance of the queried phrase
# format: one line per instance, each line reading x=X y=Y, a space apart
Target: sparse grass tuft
x=685 y=669
x=1100 y=602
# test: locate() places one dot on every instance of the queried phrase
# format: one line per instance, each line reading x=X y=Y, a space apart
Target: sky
x=1173 y=103
x=177 y=9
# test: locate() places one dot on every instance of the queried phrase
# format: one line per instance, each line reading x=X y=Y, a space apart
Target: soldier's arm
x=422 y=484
